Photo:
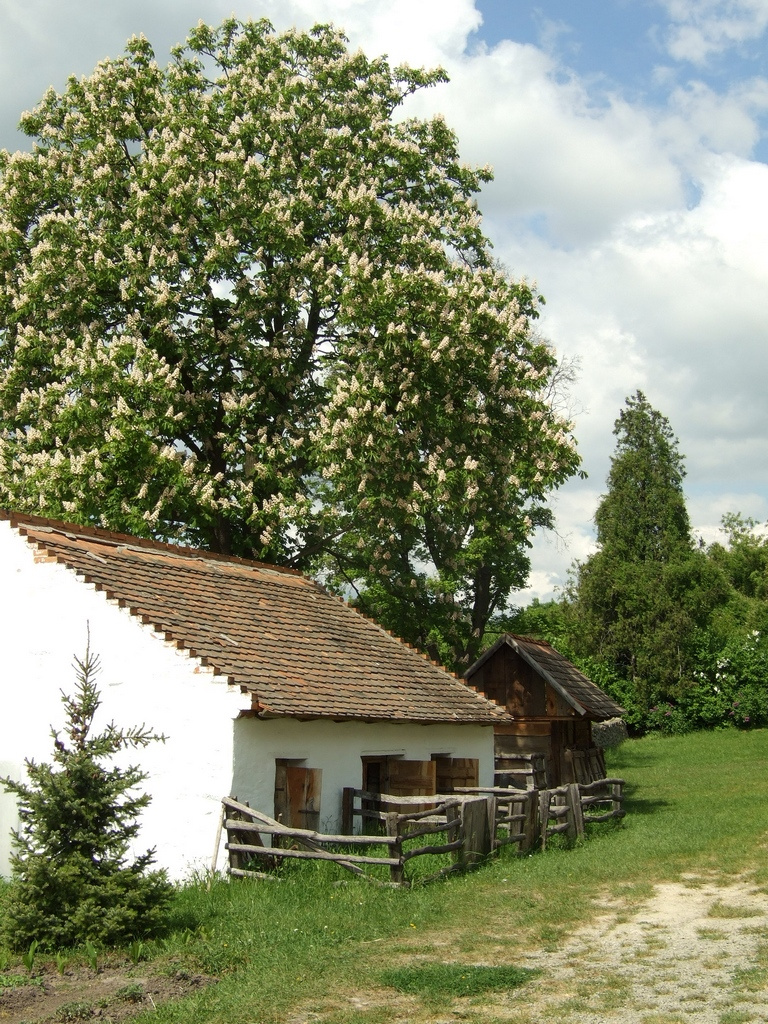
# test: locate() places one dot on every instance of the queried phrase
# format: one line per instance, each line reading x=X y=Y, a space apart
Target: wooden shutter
x=456 y=771
x=297 y=795
x=412 y=778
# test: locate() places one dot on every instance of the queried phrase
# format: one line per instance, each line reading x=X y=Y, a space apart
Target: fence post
x=347 y=811
x=545 y=798
x=217 y=845
x=454 y=833
x=575 y=813
x=530 y=825
x=475 y=830
x=490 y=809
x=397 y=873
x=617 y=798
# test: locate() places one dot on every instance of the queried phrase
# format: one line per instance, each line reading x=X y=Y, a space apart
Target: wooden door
x=297 y=795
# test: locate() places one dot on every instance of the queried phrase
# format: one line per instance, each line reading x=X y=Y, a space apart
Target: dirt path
x=696 y=952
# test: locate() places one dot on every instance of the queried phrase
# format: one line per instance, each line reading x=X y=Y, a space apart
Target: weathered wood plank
x=431 y=829
x=393 y=829
x=604 y=817
x=475 y=830
x=263 y=876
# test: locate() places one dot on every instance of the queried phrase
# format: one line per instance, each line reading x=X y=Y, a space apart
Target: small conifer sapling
x=73 y=881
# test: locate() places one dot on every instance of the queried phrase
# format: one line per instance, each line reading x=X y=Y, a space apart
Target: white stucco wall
x=337 y=749
x=45 y=614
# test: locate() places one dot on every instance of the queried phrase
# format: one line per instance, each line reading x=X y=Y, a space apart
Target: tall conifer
x=640 y=602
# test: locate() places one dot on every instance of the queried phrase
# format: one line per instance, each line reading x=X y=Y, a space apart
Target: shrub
x=72 y=881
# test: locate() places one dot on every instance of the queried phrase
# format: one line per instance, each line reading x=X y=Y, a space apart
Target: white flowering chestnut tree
x=246 y=303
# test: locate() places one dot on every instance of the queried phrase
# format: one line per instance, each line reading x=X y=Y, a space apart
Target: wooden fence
x=468 y=825
x=460 y=825
x=568 y=809
x=515 y=815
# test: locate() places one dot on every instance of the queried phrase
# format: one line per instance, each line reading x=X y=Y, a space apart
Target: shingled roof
x=580 y=692
x=298 y=650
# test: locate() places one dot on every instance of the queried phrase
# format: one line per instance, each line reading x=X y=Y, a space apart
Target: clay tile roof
x=299 y=651
x=584 y=695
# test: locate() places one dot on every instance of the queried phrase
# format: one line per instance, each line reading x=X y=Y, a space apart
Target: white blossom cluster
x=241 y=305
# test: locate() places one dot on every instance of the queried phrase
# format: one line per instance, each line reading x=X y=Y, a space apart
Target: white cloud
x=703 y=28
x=700 y=120
x=425 y=33
x=556 y=155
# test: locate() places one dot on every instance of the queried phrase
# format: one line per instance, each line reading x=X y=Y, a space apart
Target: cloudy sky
x=630 y=147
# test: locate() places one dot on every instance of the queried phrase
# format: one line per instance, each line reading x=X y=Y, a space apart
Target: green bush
x=730 y=689
x=71 y=879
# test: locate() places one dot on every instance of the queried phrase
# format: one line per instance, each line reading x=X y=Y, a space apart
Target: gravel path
x=696 y=952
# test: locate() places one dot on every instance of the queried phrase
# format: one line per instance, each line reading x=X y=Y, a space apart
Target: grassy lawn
x=696 y=805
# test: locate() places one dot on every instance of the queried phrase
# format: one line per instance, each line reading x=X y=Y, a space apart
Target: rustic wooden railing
x=573 y=806
x=471 y=823
x=586 y=765
x=520 y=771
x=516 y=815
x=246 y=829
x=603 y=800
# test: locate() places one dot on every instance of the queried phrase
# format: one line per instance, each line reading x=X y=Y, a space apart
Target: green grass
x=729 y=912
x=438 y=980
x=307 y=943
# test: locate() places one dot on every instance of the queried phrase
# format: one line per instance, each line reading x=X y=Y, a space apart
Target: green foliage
x=731 y=689
x=248 y=305
x=28 y=958
x=131 y=993
x=72 y=883
x=137 y=951
x=745 y=557
x=13 y=980
x=91 y=955
x=542 y=620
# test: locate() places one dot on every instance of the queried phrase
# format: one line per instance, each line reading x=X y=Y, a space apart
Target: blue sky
x=630 y=148
x=611 y=41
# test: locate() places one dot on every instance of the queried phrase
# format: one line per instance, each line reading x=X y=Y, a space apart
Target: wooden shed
x=552 y=706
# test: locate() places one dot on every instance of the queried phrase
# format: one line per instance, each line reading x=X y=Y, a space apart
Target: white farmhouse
x=266 y=687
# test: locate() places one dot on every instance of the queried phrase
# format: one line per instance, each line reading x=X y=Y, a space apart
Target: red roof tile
x=298 y=650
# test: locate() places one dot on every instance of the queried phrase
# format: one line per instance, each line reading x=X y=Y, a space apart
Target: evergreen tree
x=72 y=881
x=641 y=602
x=643 y=516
